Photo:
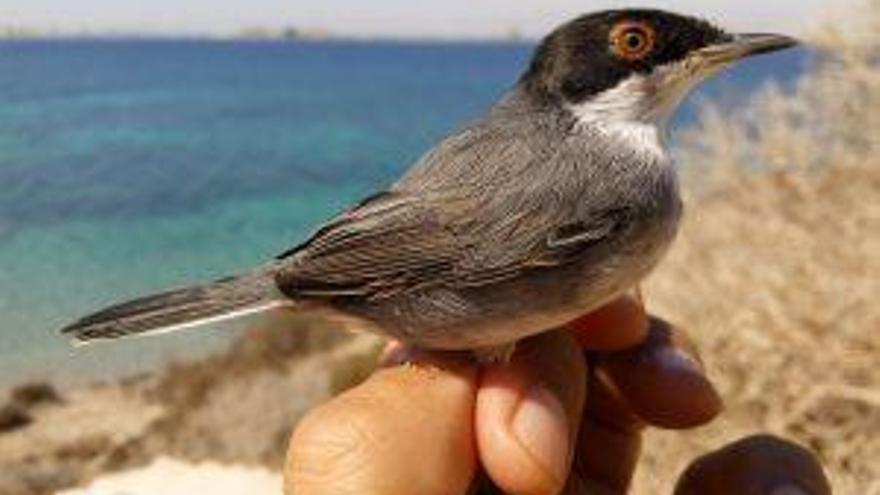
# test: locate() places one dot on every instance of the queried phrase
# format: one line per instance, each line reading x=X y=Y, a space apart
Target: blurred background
x=146 y=145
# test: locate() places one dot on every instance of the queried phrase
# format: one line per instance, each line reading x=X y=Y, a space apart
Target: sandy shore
x=188 y=479
x=217 y=426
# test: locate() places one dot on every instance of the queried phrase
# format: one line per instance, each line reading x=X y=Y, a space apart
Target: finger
x=760 y=465
x=373 y=439
x=527 y=415
x=662 y=380
x=620 y=324
x=609 y=443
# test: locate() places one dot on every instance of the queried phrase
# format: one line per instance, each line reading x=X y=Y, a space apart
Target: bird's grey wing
x=486 y=204
x=397 y=242
x=388 y=243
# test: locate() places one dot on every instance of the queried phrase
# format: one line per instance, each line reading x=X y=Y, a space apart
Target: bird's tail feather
x=183 y=308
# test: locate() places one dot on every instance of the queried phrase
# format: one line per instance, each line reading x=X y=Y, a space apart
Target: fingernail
x=788 y=490
x=540 y=424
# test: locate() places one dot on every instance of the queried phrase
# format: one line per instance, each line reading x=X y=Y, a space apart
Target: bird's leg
x=495 y=355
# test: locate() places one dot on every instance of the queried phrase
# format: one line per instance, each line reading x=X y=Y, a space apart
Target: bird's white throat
x=637 y=110
x=610 y=118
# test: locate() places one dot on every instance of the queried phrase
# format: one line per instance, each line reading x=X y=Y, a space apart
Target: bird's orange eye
x=632 y=40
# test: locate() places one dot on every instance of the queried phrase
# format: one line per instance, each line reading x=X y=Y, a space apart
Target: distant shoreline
x=255 y=34
x=266 y=40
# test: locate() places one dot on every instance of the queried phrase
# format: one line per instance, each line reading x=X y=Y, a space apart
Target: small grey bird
x=561 y=198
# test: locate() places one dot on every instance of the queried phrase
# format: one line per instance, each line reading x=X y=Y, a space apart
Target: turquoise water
x=131 y=166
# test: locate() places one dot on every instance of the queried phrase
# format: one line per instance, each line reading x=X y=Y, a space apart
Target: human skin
x=565 y=415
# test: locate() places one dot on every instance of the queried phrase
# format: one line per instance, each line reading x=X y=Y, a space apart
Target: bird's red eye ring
x=632 y=40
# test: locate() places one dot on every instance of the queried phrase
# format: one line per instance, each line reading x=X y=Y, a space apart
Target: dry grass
x=777 y=271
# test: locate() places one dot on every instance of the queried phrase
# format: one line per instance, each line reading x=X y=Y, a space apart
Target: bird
x=560 y=198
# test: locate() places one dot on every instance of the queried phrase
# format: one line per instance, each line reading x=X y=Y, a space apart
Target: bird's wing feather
x=403 y=243
x=471 y=213
x=386 y=244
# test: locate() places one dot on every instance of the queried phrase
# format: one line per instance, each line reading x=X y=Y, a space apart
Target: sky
x=387 y=18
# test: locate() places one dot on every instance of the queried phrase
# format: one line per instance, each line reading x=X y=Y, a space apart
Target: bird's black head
x=599 y=52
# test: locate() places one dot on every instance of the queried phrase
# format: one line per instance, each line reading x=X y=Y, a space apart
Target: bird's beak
x=744 y=45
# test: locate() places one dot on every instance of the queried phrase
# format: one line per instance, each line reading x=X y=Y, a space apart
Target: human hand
x=566 y=414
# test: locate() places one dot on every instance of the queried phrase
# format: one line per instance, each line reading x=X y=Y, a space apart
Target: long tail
x=184 y=308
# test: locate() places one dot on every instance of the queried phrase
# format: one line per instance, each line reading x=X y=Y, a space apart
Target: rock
x=13 y=417
x=35 y=394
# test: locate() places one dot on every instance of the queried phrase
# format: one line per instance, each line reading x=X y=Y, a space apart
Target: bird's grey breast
x=633 y=170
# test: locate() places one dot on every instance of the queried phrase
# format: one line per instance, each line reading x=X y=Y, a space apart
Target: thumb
x=373 y=440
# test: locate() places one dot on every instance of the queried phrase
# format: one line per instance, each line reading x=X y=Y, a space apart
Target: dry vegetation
x=777 y=271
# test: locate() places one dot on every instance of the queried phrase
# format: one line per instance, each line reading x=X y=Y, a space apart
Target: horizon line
x=256 y=33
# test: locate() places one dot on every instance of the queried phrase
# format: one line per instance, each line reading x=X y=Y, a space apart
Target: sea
x=130 y=166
